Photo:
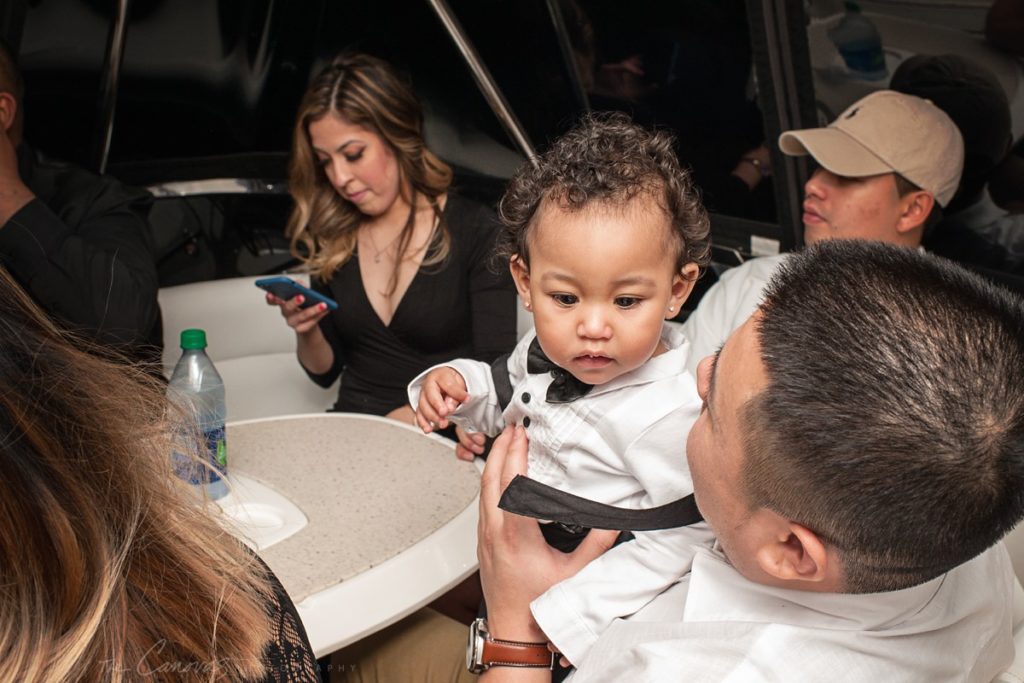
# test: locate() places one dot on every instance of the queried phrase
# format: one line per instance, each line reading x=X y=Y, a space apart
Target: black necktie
x=528 y=497
x=564 y=388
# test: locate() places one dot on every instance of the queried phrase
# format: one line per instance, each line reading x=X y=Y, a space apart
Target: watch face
x=475 y=647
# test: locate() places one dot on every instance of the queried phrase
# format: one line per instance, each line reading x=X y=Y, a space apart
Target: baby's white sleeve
x=481 y=412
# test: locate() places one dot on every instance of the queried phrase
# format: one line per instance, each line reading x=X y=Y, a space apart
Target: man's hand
x=443 y=390
x=13 y=192
x=516 y=563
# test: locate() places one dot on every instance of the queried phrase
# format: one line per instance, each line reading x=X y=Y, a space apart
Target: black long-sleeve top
x=459 y=309
x=81 y=250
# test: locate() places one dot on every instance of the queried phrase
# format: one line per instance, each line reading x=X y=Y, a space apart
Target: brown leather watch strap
x=511 y=653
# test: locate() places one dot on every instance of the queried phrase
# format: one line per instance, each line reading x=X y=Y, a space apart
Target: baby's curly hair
x=609 y=159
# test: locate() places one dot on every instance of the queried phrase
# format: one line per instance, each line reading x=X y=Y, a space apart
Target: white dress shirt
x=715 y=625
x=727 y=305
x=622 y=444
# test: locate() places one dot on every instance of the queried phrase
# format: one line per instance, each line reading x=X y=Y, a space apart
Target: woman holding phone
x=381 y=234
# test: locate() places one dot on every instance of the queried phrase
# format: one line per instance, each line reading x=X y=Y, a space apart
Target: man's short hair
x=893 y=420
x=887 y=132
x=607 y=159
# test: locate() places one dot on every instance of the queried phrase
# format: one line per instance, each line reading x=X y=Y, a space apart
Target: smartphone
x=287 y=289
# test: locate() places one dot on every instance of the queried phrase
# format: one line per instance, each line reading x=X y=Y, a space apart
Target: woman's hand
x=402 y=414
x=314 y=353
x=302 y=320
x=471 y=444
x=516 y=563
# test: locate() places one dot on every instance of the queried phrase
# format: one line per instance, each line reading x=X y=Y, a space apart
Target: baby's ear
x=521 y=275
x=682 y=285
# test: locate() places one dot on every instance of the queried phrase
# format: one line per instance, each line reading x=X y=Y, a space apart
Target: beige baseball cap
x=887 y=132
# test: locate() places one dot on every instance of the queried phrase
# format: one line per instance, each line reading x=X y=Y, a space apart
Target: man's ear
x=8 y=111
x=521 y=276
x=795 y=553
x=917 y=206
x=682 y=285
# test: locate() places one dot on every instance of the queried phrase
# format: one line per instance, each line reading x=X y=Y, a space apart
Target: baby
x=605 y=237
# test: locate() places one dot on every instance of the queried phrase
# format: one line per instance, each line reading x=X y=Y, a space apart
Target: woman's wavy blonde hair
x=364 y=91
x=109 y=572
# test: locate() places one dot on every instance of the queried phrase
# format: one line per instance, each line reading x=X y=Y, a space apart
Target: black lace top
x=288 y=656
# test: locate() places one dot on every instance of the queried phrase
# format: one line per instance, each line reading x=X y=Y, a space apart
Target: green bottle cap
x=193 y=339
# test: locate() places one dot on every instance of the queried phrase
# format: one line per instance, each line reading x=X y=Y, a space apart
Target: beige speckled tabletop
x=370 y=489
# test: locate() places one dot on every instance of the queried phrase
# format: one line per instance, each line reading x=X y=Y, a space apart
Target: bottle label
x=217 y=447
x=216 y=456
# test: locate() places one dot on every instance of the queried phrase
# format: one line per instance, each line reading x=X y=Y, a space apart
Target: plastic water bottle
x=197 y=388
x=860 y=44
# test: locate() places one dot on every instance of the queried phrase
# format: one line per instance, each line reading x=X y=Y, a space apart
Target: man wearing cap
x=973 y=230
x=885 y=167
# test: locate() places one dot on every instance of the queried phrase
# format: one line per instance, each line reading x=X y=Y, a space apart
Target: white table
x=390 y=516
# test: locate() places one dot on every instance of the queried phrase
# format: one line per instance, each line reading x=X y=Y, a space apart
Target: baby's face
x=600 y=282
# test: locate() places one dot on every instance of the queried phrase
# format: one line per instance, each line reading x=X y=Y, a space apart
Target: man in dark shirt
x=77 y=242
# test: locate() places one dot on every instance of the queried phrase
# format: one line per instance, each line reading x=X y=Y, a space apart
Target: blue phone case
x=287 y=289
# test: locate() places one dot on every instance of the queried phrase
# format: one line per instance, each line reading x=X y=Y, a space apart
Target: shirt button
x=526 y=421
x=526 y=397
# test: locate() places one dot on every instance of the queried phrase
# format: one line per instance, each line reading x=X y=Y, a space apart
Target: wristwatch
x=483 y=651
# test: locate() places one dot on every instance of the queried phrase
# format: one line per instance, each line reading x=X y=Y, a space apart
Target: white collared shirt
x=727 y=305
x=716 y=625
x=622 y=444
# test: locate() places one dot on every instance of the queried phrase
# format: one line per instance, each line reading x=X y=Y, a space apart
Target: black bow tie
x=529 y=497
x=564 y=388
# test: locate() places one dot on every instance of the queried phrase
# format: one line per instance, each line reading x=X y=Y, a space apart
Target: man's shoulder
x=758 y=269
x=67 y=188
x=955 y=627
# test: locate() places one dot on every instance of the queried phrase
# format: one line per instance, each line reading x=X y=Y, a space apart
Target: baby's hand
x=443 y=391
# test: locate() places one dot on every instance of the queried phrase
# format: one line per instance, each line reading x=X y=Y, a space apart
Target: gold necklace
x=379 y=252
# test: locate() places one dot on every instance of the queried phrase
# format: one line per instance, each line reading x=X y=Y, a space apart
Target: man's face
x=837 y=207
x=714 y=448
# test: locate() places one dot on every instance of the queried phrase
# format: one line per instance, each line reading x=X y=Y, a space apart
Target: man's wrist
x=486 y=650
x=519 y=629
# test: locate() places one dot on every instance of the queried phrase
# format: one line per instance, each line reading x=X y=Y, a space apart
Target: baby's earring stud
x=671 y=309
x=526 y=305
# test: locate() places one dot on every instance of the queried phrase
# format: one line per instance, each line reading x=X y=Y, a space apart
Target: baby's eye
x=564 y=299
x=627 y=301
x=355 y=157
